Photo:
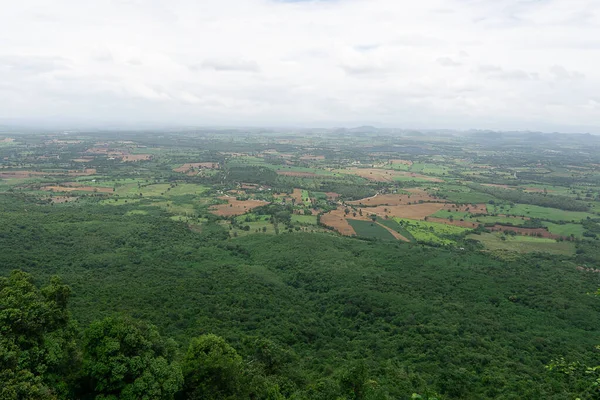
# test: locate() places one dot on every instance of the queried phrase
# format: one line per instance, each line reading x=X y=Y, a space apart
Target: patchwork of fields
x=418 y=196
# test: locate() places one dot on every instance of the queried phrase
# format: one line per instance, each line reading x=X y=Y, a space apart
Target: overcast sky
x=489 y=64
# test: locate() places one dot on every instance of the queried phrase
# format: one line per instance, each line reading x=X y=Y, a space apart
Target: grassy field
x=429 y=169
x=483 y=219
x=565 y=229
x=430 y=232
x=526 y=210
x=306 y=198
x=304 y=219
x=390 y=223
x=160 y=190
x=369 y=229
x=464 y=195
x=408 y=178
x=523 y=244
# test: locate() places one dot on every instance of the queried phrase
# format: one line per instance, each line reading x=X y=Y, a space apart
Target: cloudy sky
x=489 y=64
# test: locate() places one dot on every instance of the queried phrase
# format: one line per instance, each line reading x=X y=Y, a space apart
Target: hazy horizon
x=460 y=65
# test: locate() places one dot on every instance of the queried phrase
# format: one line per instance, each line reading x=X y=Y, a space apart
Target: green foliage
x=126 y=359
x=37 y=351
x=212 y=370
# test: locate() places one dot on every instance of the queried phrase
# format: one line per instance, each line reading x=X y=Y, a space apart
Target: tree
x=126 y=359
x=212 y=370
x=37 y=344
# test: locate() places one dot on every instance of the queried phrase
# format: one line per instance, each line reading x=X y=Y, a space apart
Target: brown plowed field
x=235 y=207
x=337 y=221
x=297 y=195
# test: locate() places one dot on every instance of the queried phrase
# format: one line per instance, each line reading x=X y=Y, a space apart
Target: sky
x=456 y=64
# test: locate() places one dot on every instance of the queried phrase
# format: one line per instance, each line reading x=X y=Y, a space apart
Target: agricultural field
x=370 y=229
x=532 y=211
x=523 y=244
x=428 y=191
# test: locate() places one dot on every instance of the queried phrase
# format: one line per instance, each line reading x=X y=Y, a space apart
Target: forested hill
x=297 y=315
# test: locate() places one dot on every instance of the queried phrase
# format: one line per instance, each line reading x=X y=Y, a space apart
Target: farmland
x=325 y=249
x=441 y=188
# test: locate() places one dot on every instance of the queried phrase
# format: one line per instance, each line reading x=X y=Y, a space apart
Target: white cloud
x=432 y=63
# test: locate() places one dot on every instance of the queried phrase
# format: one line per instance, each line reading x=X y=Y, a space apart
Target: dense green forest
x=297 y=315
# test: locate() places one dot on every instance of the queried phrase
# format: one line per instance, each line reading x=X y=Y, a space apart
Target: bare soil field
x=297 y=195
x=336 y=219
x=332 y=195
x=235 y=207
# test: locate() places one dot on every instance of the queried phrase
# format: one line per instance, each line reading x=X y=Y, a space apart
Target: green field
x=390 y=223
x=304 y=219
x=576 y=230
x=429 y=169
x=523 y=244
x=160 y=190
x=531 y=211
x=306 y=198
x=408 y=178
x=431 y=232
x=370 y=229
